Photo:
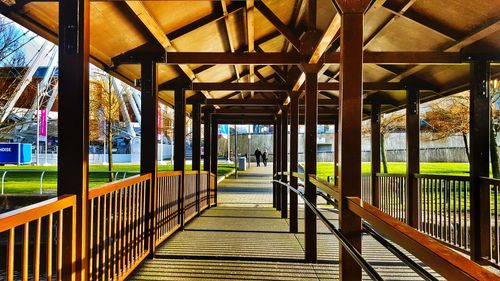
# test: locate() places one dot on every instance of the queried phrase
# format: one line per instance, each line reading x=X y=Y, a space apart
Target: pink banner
x=159 y=121
x=43 y=122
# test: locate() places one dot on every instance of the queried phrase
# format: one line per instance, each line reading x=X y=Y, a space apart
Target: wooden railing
x=366 y=188
x=444 y=208
x=393 y=189
x=434 y=253
x=493 y=185
x=204 y=184
x=190 y=194
x=167 y=219
x=117 y=222
x=53 y=222
x=445 y=261
x=213 y=182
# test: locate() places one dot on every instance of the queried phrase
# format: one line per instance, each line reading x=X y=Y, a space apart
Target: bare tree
x=11 y=41
x=447 y=117
x=104 y=112
x=389 y=123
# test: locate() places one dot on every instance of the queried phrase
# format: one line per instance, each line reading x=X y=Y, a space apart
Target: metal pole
x=38 y=124
x=235 y=152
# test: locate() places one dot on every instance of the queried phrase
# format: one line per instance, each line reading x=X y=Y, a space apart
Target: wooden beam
x=280 y=58
x=412 y=156
x=261 y=87
x=240 y=102
x=279 y=25
x=246 y=111
x=480 y=33
x=180 y=145
x=480 y=114
x=149 y=136
x=294 y=151
x=284 y=161
x=375 y=147
x=73 y=156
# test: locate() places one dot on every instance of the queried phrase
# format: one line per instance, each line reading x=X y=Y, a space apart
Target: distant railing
x=444 y=208
x=53 y=222
x=117 y=222
x=493 y=185
x=393 y=189
x=213 y=182
x=167 y=219
x=366 y=188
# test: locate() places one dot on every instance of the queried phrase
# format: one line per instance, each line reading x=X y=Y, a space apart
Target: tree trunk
x=384 y=157
x=466 y=144
x=494 y=152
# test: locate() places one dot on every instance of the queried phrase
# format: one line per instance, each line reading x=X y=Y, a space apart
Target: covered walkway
x=244 y=238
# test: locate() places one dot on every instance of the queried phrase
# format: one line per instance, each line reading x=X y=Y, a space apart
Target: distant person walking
x=264 y=158
x=257 y=154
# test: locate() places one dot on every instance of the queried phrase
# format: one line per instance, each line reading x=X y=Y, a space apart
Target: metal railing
x=116 y=176
x=53 y=222
x=378 y=223
x=117 y=222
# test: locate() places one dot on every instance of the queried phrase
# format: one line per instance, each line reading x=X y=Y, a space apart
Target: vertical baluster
x=10 y=255
x=440 y=187
x=120 y=232
x=129 y=228
x=115 y=233
x=109 y=257
x=466 y=232
x=102 y=250
x=448 y=201
x=50 y=227
x=495 y=219
x=91 y=239
x=36 y=258
x=460 y=192
x=26 y=244
x=136 y=220
x=60 y=228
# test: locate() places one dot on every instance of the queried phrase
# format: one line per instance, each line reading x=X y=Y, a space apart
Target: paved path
x=244 y=238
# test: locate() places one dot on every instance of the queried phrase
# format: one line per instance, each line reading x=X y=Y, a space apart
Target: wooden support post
x=196 y=115
x=214 y=152
x=279 y=187
x=284 y=161
x=336 y=153
x=207 y=111
x=375 y=144
x=412 y=156
x=180 y=145
x=149 y=141
x=311 y=121
x=72 y=178
x=479 y=167
x=294 y=154
x=351 y=112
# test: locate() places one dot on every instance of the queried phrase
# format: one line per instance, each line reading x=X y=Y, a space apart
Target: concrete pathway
x=244 y=238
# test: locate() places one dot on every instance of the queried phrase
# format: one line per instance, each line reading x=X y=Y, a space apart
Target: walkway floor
x=244 y=238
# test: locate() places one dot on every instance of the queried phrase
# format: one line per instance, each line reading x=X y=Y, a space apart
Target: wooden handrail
x=191 y=172
x=442 y=259
x=490 y=181
x=204 y=172
x=442 y=177
x=327 y=187
x=116 y=185
x=390 y=175
x=299 y=175
x=168 y=174
x=32 y=212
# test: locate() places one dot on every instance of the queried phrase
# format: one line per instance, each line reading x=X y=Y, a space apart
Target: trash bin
x=242 y=164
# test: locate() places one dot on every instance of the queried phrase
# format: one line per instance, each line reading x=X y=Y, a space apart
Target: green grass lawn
x=325 y=169
x=27 y=180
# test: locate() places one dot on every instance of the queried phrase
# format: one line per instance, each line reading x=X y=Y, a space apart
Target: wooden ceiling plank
x=279 y=25
x=229 y=36
x=250 y=38
x=242 y=86
x=480 y=33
